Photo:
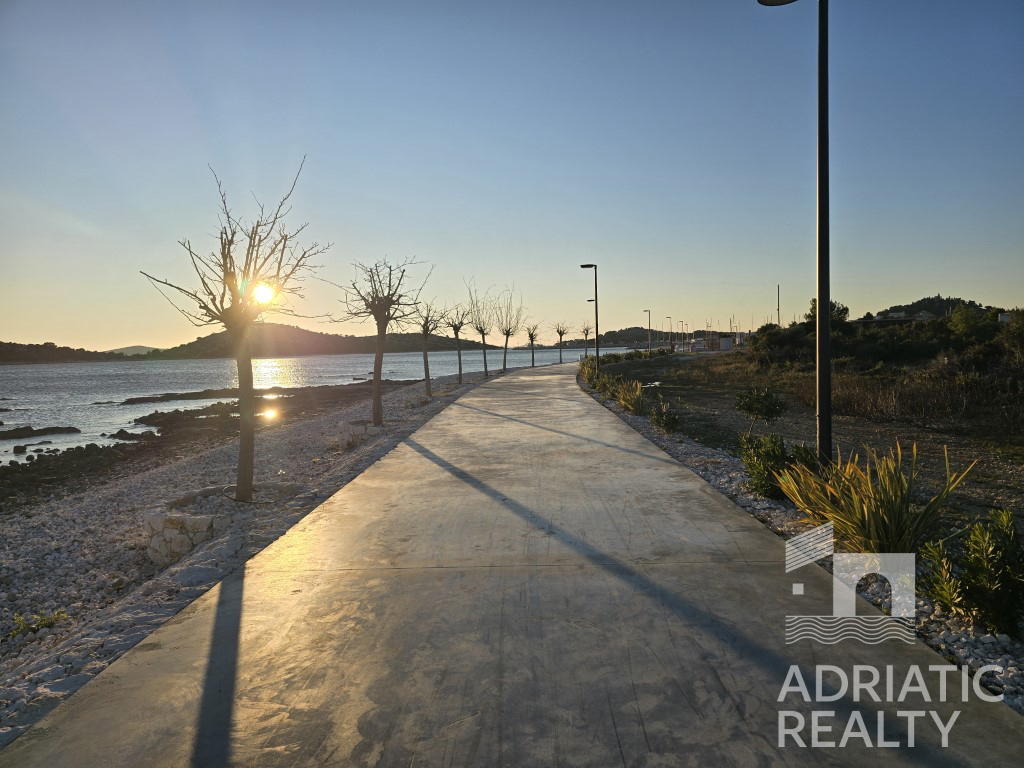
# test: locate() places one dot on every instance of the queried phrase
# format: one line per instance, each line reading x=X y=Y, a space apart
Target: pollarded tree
x=532 y=332
x=456 y=318
x=585 y=329
x=481 y=318
x=428 y=317
x=255 y=267
x=381 y=291
x=561 y=329
x=510 y=316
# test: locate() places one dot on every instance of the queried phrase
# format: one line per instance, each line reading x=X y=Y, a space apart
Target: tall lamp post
x=597 y=332
x=823 y=329
x=648 y=331
x=667 y=317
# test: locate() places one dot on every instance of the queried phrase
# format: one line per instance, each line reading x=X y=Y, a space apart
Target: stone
x=194 y=575
x=179 y=544
x=199 y=522
x=50 y=673
x=67 y=685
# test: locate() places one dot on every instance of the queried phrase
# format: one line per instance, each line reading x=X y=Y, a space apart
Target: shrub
x=588 y=371
x=871 y=508
x=764 y=456
x=981 y=576
x=35 y=622
x=760 y=405
x=630 y=395
x=663 y=417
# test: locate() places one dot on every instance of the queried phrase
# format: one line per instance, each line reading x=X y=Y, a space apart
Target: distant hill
x=937 y=305
x=275 y=340
x=50 y=353
x=138 y=349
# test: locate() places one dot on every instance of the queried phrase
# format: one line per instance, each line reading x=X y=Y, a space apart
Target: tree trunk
x=378 y=367
x=504 y=357
x=586 y=346
x=483 y=341
x=458 y=352
x=426 y=367
x=246 y=417
x=533 y=360
x=559 y=349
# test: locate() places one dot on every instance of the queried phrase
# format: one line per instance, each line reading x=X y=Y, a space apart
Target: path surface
x=524 y=582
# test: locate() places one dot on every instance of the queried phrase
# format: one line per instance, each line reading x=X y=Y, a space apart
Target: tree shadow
x=694 y=616
x=212 y=745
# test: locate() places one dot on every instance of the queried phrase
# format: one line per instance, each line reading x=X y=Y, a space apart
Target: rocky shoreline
x=954 y=639
x=80 y=557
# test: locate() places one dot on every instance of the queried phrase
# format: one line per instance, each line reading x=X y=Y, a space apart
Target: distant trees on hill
x=51 y=353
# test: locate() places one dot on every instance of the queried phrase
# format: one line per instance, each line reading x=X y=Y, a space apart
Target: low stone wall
x=174 y=532
x=175 y=528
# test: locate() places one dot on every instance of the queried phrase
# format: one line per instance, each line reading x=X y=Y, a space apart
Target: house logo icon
x=847 y=570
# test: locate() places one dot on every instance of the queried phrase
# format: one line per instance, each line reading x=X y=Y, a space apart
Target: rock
x=194 y=575
x=19 y=432
x=21 y=449
x=69 y=684
x=50 y=673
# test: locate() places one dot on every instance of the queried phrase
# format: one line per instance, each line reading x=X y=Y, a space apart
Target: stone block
x=179 y=544
x=198 y=523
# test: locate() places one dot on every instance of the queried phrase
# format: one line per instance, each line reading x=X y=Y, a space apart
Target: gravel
x=85 y=554
x=954 y=638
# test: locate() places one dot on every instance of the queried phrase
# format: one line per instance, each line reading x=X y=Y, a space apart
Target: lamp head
x=588 y=266
x=772 y=3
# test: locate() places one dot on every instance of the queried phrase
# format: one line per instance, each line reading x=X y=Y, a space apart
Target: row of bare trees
x=258 y=267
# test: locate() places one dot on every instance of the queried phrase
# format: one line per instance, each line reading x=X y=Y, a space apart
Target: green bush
x=662 y=415
x=588 y=371
x=871 y=508
x=981 y=576
x=760 y=405
x=764 y=456
x=35 y=622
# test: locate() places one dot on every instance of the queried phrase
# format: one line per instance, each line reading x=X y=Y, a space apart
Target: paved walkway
x=523 y=582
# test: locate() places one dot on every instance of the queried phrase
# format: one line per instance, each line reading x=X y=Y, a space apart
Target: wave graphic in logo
x=830 y=630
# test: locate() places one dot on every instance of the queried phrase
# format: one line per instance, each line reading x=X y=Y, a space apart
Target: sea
x=89 y=395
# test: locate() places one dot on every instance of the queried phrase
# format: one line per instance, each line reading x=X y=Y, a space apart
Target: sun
x=263 y=293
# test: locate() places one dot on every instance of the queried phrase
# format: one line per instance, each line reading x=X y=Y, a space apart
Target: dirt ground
x=703 y=388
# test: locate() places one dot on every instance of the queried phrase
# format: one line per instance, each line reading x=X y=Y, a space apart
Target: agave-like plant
x=871 y=508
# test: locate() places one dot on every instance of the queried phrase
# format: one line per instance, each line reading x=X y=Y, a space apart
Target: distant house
x=924 y=316
x=1004 y=318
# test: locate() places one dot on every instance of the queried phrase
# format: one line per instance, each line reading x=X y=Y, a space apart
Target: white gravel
x=954 y=638
x=85 y=555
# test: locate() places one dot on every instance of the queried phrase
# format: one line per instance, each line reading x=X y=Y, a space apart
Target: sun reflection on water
x=275 y=372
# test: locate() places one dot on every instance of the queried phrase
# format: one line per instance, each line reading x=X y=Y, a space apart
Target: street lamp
x=597 y=332
x=669 y=318
x=648 y=331
x=823 y=329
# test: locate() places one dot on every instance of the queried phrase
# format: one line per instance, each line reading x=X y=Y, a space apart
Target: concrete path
x=524 y=582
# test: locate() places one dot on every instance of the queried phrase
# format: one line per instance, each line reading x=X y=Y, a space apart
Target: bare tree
x=586 y=328
x=561 y=329
x=481 y=318
x=381 y=291
x=532 y=332
x=510 y=316
x=253 y=270
x=456 y=318
x=428 y=318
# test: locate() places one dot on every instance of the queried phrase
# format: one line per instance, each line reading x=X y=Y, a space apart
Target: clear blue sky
x=672 y=143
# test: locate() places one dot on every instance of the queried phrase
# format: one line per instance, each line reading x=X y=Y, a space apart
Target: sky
x=671 y=143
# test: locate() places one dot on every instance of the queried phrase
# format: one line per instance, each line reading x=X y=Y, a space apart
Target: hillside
x=275 y=340
x=49 y=352
x=937 y=305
